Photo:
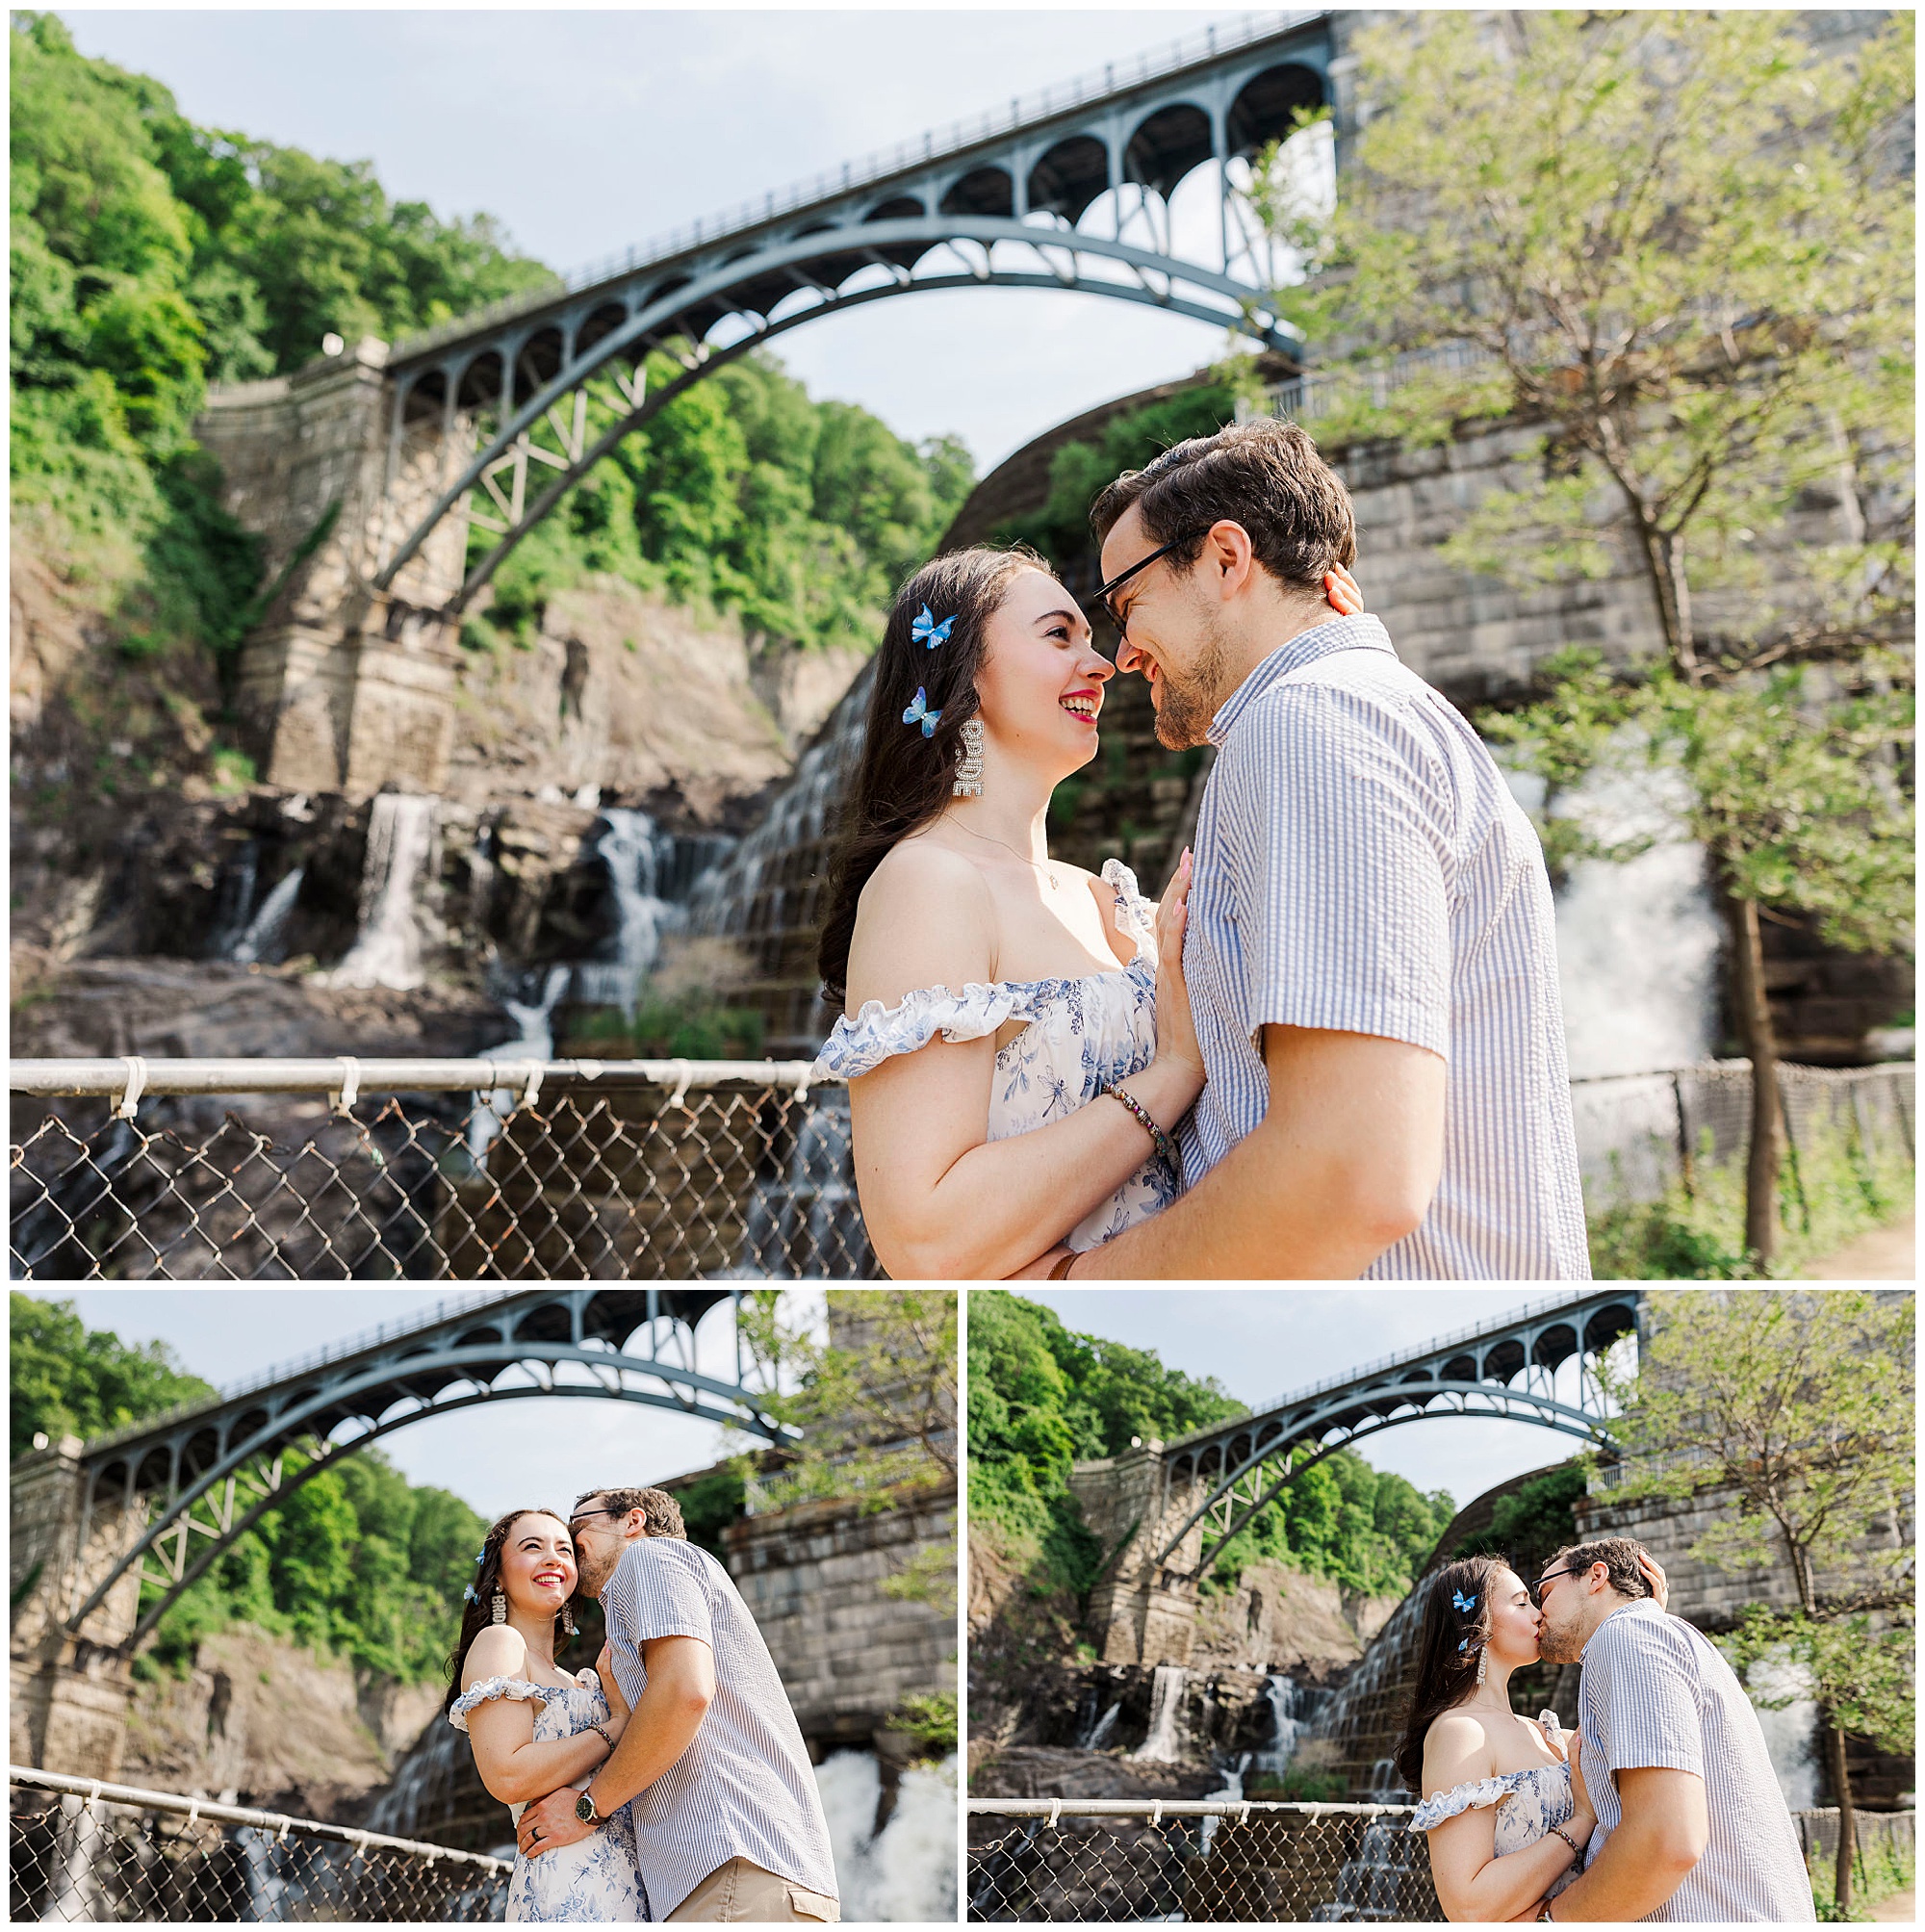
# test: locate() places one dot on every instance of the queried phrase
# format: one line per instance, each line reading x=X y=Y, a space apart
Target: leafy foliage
x=1531 y=1522
x=1042 y=1397
x=356 y=1560
x=69 y=1379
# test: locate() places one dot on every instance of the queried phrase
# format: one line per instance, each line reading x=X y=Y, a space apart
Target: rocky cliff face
x=257 y=1722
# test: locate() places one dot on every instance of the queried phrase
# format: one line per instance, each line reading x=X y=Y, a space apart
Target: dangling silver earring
x=498 y=1614
x=1481 y=1653
x=568 y=1622
x=969 y=773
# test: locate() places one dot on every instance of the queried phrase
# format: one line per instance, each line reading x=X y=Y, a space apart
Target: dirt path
x=1900 y=1909
x=1889 y=1253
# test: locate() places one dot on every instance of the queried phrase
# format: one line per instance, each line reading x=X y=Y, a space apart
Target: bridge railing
x=81 y=1852
x=464 y=1170
x=1023 y=112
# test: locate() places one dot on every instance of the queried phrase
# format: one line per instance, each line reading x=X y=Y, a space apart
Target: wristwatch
x=1544 y=1917
x=584 y=1808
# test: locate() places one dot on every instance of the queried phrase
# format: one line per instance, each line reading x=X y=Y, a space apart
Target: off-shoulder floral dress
x=1529 y=1804
x=1082 y=1034
x=597 y=1881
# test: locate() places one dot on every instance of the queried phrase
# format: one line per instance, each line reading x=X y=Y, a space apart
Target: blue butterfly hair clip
x=919 y=713
x=1464 y=1646
x=1465 y=1603
x=927 y=631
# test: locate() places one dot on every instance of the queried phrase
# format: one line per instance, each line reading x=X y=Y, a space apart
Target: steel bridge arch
x=1216 y=298
x=216 y=1471
x=1437 y=1380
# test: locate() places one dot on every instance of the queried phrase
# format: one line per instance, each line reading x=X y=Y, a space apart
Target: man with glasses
x=1370 y=952
x=1691 y=1822
x=728 y=1823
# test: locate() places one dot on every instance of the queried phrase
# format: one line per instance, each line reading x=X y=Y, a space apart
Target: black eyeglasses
x=1104 y=591
x=586 y=1513
x=1548 y=1577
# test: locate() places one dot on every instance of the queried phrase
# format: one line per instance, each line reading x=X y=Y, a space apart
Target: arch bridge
x=485 y=424
x=179 y=1489
x=1502 y=1369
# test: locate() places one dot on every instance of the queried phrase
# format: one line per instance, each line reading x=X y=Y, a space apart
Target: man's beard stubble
x=1189 y=705
x=1558 y=1643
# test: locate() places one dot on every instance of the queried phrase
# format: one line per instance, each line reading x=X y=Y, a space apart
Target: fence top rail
x=48 y=1078
x=1170 y=1808
x=95 y=1791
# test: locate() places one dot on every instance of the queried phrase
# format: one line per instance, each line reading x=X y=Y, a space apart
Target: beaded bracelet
x=1165 y=1146
x=1577 y=1850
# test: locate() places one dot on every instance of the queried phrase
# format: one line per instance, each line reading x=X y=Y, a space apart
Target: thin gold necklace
x=1046 y=867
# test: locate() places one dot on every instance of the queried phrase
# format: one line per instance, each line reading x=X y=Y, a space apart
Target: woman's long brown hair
x=904 y=779
x=479 y=1611
x=1447 y=1654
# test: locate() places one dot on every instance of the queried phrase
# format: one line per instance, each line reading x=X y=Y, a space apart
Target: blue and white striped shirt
x=1362 y=866
x=1656 y=1695
x=744 y=1788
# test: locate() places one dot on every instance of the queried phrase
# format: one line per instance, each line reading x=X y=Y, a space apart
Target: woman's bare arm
x=1472 y=1882
x=513 y=1766
x=939 y=1199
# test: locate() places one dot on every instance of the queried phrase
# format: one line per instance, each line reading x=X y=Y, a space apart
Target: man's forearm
x=1640 y=1866
x=660 y=1731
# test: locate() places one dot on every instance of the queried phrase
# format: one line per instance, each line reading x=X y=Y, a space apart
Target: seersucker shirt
x=1657 y=1696
x=1362 y=866
x=744 y=1788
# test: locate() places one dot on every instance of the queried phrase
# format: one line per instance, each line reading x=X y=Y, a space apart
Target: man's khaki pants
x=741 y=1894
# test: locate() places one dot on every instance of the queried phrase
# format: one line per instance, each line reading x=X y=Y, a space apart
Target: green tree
x=68 y=1380
x=1801 y=1404
x=1679 y=245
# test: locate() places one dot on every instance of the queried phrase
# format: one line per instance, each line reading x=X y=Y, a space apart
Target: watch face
x=584 y=1809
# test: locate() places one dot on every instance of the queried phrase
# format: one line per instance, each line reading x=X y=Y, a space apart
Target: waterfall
x=535 y=1041
x=1232 y=1794
x=1099 y=1732
x=1165 y=1744
x=1285 y=1725
x=1372 y=1885
x=805 y=1219
x=401 y=843
x=234 y=901
x=1366 y=1711
x=267 y=1890
x=263 y=935
x=1790 y=1732
x=75 y=1895
x=633 y=851
x=905 y=1874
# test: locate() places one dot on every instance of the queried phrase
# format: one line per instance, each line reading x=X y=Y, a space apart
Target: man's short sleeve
x=1642 y=1689
x=1338 y=819
x=664 y=1592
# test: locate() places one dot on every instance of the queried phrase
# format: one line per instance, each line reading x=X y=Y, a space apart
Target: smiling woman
x=991 y=992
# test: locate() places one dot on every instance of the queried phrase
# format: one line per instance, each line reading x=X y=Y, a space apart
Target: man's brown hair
x=1266 y=476
x=661 y=1513
x=1619 y=1556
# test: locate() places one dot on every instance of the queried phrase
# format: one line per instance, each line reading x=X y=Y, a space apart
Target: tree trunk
x=1841 y=1787
x=1760 y=1047
x=1675 y=593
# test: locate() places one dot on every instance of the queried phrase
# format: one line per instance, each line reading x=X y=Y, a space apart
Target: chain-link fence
x=1639 y=1132
x=1131 y=1861
x=430 y=1169
x=1890 y=1838
x=88 y=1853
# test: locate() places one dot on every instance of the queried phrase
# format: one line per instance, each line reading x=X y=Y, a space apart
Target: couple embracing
x=1335 y=1049
x=669 y=1782
x=1662 y=1806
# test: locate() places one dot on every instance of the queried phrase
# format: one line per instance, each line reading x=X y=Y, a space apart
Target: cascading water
x=1790 y=1732
x=400 y=845
x=806 y=1218
x=1232 y=1794
x=632 y=850
x=1291 y=1709
x=905 y=1874
x=75 y=1895
x=535 y=1041
x=1099 y=1732
x=1165 y=1744
x=262 y=939
x=234 y=901
x=267 y=1887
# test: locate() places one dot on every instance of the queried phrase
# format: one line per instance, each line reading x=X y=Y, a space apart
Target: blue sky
x=586 y=131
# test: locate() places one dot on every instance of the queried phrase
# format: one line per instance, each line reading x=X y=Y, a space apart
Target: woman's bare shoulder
x=1456 y=1749
x=917 y=867
x=497 y=1651
x=925 y=919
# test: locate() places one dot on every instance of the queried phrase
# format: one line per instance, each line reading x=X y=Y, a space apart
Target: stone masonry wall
x=848 y=1654
x=1140 y=1612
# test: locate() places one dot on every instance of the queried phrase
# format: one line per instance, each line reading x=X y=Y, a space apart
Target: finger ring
x=534 y=1837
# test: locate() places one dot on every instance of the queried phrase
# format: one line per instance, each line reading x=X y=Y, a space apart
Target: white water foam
x=1790 y=1732
x=534 y=1041
x=631 y=849
x=264 y=929
x=905 y=1874
x=1165 y=1744
x=400 y=841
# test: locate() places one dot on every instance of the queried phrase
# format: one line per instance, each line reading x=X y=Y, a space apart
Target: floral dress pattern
x=1082 y=1034
x=596 y=1881
x=1529 y=1804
